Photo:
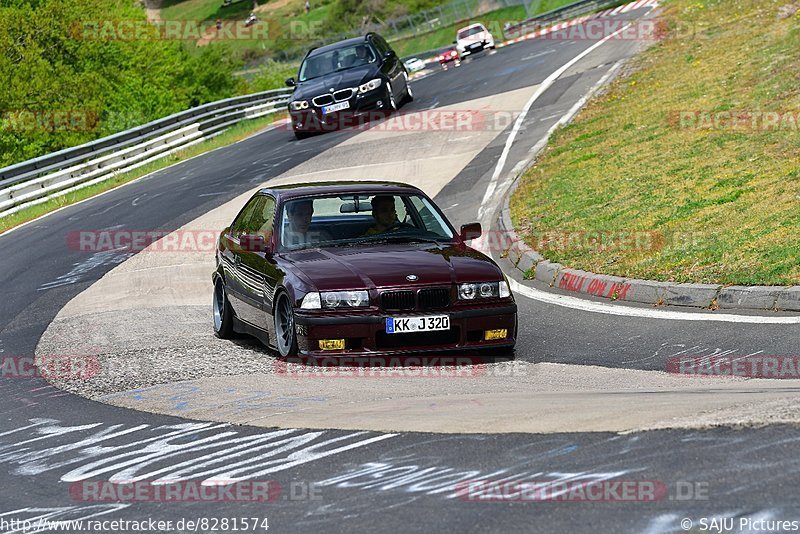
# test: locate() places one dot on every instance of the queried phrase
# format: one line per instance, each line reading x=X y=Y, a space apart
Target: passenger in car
x=298 y=233
x=384 y=213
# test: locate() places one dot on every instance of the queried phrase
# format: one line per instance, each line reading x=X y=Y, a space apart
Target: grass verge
x=681 y=154
x=233 y=134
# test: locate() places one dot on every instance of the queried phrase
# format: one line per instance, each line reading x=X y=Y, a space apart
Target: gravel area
x=134 y=356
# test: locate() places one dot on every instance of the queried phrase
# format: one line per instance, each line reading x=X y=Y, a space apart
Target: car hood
x=388 y=265
x=336 y=80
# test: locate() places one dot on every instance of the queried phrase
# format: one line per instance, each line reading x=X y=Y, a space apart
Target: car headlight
x=335 y=299
x=297 y=105
x=369 y=86
x=483 y=290
x=311 y=301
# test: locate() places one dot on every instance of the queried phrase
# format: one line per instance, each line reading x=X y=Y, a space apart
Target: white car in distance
x=473 y=38
x=414 y=64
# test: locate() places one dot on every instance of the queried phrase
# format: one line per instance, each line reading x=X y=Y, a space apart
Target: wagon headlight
x=483 y=290
x=342 y=299
x=369 y=86
x=297 y=105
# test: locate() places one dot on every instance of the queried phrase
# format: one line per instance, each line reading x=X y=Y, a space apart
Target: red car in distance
x=448 y=57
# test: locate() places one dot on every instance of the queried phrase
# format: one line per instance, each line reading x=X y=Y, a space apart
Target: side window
x=241 y=224
x=380 y=44
x=428 y=218
x=263 y=218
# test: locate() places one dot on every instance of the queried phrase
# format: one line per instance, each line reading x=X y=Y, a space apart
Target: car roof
x=340 y=44
x=471 y=26
x=289 y=191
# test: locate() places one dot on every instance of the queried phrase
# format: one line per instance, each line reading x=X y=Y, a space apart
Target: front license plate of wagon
x=335 y=107
x=427 y=323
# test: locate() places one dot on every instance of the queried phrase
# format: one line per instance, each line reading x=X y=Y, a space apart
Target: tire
x=285 y=335
x=409 y=93
x=222 y=314
x=392 y=103
x=300 y=135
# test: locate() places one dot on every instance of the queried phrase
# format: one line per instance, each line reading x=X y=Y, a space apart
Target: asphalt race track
x=370 y=480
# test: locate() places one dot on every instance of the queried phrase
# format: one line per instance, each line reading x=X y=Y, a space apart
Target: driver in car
x=384 y=213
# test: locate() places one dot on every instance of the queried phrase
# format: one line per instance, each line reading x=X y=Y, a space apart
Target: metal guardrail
x=37 y=180
x=562 y=13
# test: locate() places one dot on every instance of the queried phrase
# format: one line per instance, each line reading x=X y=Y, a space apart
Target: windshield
x=470 y=31
x=353 y=220
x=335 y=60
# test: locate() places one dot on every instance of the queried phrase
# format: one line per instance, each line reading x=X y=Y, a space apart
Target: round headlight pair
x=298 y=105
x=483 y=290
x=369 y=86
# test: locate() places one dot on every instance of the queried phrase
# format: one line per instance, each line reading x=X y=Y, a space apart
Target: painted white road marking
x=546 y=84
x=645 y=313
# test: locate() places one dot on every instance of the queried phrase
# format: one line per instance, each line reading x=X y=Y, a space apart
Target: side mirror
x=471 y=231
x=389 y=54
x=290 y=82
x=252 y=243
x=455 y=42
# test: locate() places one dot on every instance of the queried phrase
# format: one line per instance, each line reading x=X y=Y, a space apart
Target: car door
x=392 y=67
x=230 y=255
x=256 y=269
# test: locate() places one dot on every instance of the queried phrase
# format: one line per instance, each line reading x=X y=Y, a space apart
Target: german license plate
x=335 y=107
x=427 y=323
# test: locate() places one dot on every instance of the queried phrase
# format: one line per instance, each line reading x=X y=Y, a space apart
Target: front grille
x=397 y=300
x=434 y=298
x=322 y=100
x=417 y=339
x=344 y=94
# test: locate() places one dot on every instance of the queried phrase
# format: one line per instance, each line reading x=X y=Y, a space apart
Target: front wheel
x=300 y=135
x=285 y=336
x=223 y=316
x=392 y=104
x=409 y=94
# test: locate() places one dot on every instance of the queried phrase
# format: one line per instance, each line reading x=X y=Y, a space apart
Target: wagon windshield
x=324 y=63
x=474 y=30
x=360 y=219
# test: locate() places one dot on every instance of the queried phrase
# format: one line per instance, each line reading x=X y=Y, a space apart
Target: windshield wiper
x=393 y=239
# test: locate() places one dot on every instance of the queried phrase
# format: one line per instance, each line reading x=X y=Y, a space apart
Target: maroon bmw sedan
x=358 y=269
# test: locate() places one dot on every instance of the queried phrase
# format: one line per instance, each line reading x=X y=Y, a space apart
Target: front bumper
x=361 y=110
x=365 y=334
x=472 y=48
